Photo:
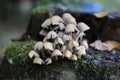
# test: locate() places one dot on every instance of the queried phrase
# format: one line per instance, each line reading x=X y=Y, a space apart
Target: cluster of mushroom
x=63 y=39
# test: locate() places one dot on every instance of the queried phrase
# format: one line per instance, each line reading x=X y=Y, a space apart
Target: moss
x=18 y=52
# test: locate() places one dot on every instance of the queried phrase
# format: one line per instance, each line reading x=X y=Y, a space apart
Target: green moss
x=18 y=51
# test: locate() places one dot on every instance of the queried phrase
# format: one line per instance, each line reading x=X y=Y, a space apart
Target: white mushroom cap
x=46 y=23
x=72 y=21
x=56 y=20
x=60 y=33
x=59 y=41
x=51 y=34
x=61 y=26
x=67 y=54
x=43 y=32
x=66 y=16
x=48 y=61
x=48 y=46
x=85 y=44
x=70 y=28
x=81 y=50
x=32 y=54
x=38 y=61
x=72 y=43
x=74 y=57
x=66 y=37
x=38 y=45
x=82 y=26
x=55 y=53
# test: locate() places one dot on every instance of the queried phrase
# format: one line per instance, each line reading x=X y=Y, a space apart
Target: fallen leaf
x=101 y=14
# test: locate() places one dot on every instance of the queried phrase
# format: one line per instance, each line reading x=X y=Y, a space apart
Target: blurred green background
x=15 y=14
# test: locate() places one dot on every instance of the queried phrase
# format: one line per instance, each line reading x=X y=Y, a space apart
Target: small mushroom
x=56 y=20
x=72 y=21
x=61 y=26
x=70 y=28
x=81 y=51
x=80 y=35
x=72 y=43
x=48 y=61
x=85 y=44
x=66 y=37
x=60 y=33
x=38 y=61
x=56 y=53
x=48 y=46
x=82 y=27
x=43 y=32
x=67 y=54
x=32 y=54
x=51 y=35
x=46 y=23
x=38 y=45
x=74 y=57
x=59 y=41
x=66 y=16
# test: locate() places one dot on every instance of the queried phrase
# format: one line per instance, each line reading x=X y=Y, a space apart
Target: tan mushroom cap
x=66 y=37
x=82 y=26
x=51 y=34
x=43 y=32
x=72 y=21
x=70 y=28
x=59 y=41
x=48 y=46
x=38 y=45
x=38 y=61
x=56 y=20
x=46 y=23
x=66 y=16
x=55 y=53
x=32 y=54
x=74 y=57
x=48 y=61
x=67 y=53
x=72 y=43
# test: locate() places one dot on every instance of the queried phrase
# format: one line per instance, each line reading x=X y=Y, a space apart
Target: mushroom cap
x=66 y=16
x=72 y=43
x=82 y=26
x=72 y=21
x=60 y=33
x=56 y=52
x=59 y=41
x=66 y=37
x=81 y=50
x=38 y=45
x=61 y=26
x=46 y=23
x=43 y=32
x=85 y=44
x=32 y=54
x=51 y=34
x=67 y=54
x=48 y=61
x=48 y=46
x=38 y=61
x=70 y=28
x=56 y=20
x=74 y=57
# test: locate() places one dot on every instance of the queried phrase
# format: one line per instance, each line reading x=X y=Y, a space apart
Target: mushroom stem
x=80 y=35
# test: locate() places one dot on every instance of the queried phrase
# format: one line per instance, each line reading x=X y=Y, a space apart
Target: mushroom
x=72 y=21
x=60 y=33
x=48 y=46
x=32 y=54
x=67 y=54
x=59 y=41
x=56 y=20
x=80 y=35
x=51 y=35
x=46 y=23
x=81 y=51
x=61 y=26
x=56 y=53
x=66 y=37
x=82 y=27
x=70 y=28
x=38 y=61
x=48 y=61
x=85 y=44
x=38 y=45
x=43 y=32
x=72 y=43
x=66 y=16
x=74 y=57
